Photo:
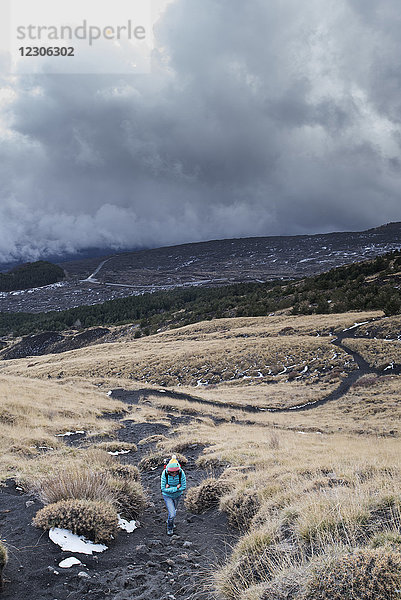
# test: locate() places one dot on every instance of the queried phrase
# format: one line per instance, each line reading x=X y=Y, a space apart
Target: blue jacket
x=173 y=481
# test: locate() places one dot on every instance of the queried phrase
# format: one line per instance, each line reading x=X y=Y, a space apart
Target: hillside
x=206 y=264
x=288 y=430
x=369 y=285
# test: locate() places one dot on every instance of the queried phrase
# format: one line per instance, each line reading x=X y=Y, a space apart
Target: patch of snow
x=390 y=367
x=69 y=562
x=355 y=326
x=109 y=393
x=119 y=452
x=128 y=526
x=69 y=542
x=67 y=433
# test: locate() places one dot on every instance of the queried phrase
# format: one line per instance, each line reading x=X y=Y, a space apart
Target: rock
x=141 y=548
x=170 y=562
x=187 y=544
x=29 y=503
x=183 y=556
x=83 y=575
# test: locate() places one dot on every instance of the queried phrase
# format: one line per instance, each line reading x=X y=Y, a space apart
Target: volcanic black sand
x=143 y=565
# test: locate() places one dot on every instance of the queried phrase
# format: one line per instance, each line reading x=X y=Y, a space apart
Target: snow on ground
x=52 y=286
x=119 y=452
x=355 y=326
x=67 y=433
x=69 y=562
x=128 y=526
x=69 y=542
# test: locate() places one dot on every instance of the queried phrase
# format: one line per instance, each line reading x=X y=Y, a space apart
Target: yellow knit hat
x=173 y=465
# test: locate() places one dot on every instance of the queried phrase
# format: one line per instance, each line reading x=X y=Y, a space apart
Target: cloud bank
x=259 y=118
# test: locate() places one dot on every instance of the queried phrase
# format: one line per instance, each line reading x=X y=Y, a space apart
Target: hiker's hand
x=167 y=485
x=178 y=486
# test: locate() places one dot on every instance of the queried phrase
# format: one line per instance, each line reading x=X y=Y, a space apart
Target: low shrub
x=157 y=459
x=129 y=472
x=201 y=498
x=117 y=447
x=129 y=497
x=240 y=507
x=97 y=521
x=365 y=574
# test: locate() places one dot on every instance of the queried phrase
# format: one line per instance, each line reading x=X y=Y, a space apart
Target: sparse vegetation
x=97 y=521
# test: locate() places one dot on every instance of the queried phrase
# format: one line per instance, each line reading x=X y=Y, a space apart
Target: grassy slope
x=317 y=492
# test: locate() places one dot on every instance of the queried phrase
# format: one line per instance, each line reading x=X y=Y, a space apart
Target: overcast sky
x=260 y=117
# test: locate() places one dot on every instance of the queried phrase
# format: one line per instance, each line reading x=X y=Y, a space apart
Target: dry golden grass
x=222 y=350
x=33 y=413
x=316 y=492
x=380 y=354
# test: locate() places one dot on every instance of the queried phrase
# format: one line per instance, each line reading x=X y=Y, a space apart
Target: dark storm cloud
x=258 y=118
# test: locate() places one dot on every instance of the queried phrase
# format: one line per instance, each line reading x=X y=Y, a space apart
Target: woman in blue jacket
x=173 y=484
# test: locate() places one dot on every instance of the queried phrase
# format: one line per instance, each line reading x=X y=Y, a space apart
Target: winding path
x=363 y=369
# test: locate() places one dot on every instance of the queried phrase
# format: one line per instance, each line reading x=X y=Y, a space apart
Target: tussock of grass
x=74 y=482
x=116 y=446
x=127 y=472
x=3 y=562
x=201 y=498
x=152 y=439
x=129 y=498
x=97 y=521
x=363 y=573
x=240 y=507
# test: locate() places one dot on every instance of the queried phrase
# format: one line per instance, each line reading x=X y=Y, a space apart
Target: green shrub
x=129 y=500
x=157 y=459
x=201 y=498
x=364 y=574
x=240 y=507
x=97 y=521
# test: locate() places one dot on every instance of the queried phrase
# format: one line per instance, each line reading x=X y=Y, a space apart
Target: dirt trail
x=363 y=369
x=143 y=565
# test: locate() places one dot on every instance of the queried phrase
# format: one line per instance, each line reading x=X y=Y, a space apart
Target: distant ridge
x=208 y=264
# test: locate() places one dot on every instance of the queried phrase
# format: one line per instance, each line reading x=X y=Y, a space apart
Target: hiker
x=173 y=484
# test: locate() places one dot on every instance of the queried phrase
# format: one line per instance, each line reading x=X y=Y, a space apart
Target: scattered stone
x=84 y=575
x=183 y=556
x=141 y=548
x=187 y=544
x=170 y=562
x=53 y=570
x=29 y=503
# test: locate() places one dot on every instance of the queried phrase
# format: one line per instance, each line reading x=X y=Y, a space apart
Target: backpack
x=179 y=475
